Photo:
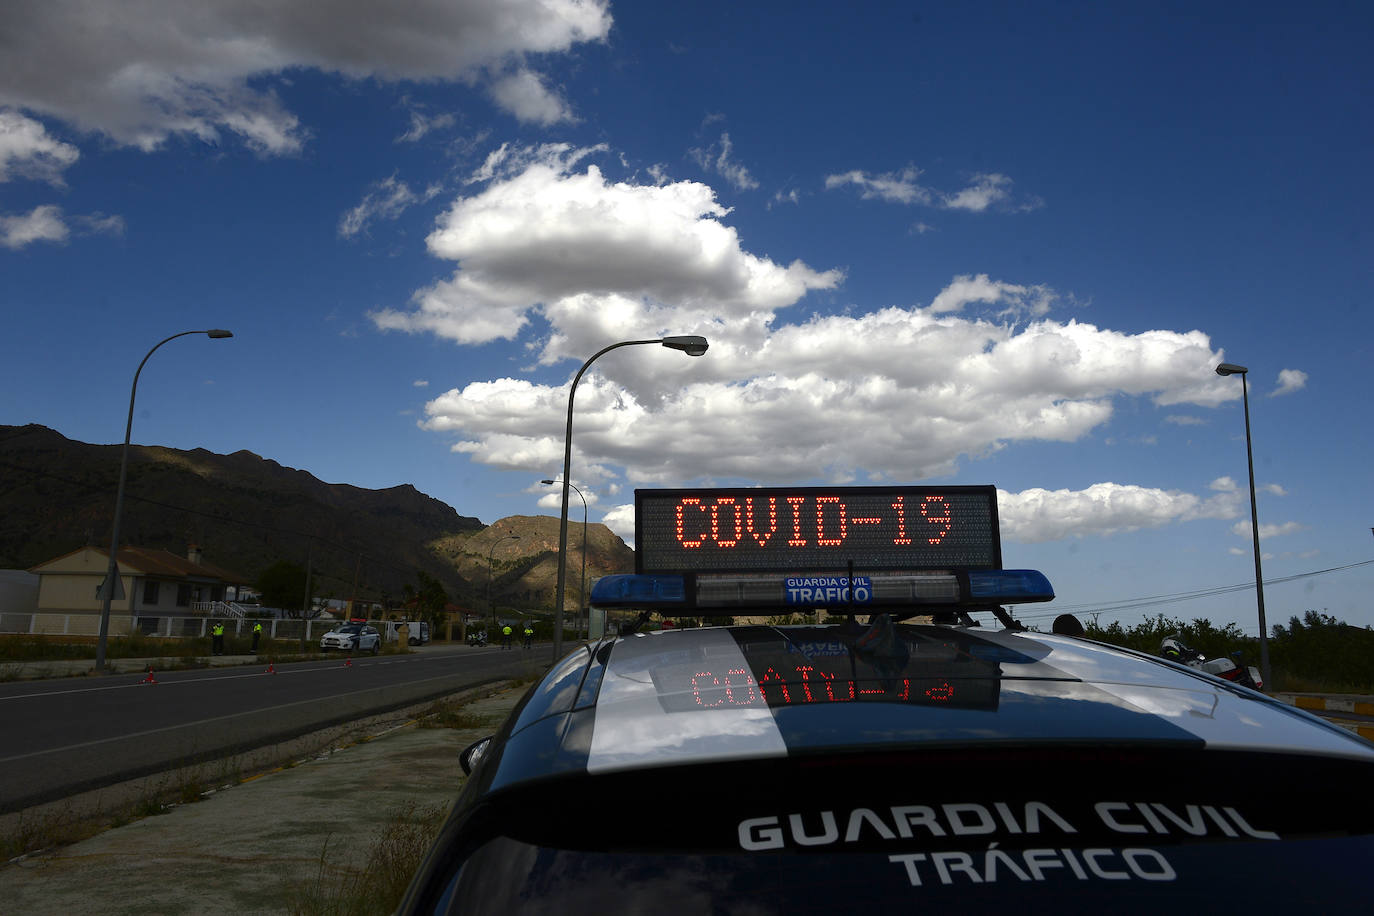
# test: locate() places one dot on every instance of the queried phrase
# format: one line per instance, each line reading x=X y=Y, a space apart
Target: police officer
x=529 y=635
x=257 y=634
x=505 y=636
x=217 y=638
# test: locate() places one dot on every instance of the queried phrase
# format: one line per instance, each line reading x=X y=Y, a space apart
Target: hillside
x=247 y=512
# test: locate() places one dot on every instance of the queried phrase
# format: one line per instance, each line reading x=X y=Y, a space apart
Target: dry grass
x=377 y=883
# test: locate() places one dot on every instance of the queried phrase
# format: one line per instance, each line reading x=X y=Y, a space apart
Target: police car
x=920 y=750
x=352 y=637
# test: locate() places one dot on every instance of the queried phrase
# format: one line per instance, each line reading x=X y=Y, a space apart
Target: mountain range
x=246 y=512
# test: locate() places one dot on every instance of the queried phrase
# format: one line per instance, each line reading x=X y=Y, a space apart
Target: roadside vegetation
x=376 y=882
x=1316 y=653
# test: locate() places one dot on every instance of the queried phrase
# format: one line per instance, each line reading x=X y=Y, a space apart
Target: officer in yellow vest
x=529 y=635
x=257 y=634
x=506 y=632
x=217 y=638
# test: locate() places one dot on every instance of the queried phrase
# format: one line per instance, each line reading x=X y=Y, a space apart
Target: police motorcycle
x=478 y=639
x=1175 y=650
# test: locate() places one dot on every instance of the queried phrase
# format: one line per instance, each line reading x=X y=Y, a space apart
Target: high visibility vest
x=505 y=631
x=257 y=628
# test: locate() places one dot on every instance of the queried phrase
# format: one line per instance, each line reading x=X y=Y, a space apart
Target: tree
x=430 y=598
x=283 y=586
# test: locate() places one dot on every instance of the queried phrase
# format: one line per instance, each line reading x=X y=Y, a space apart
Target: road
x=72 y=735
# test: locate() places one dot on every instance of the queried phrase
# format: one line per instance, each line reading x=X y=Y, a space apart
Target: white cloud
x=27 y=151
x=1290 y=380
x=989 y=190
x=387 y=199
x=600 y=258
x=1015 y=299
x=547 y=243
x=422 y=125
x=985 y=191
x=1101 y=509
x=717 y=158
x=524 y=95
x=1037 y=515
x=421 y=383
x=195 y=67
x=42 y=224
x=897 y=187
x=1244 y=529
x=1185 y=420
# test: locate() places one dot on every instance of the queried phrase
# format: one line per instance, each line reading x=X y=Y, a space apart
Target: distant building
x=154 y=583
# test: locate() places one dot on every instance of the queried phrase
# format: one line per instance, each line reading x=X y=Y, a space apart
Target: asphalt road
x=72 y=735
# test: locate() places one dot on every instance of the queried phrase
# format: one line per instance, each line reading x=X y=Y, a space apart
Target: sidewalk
x=256 y=846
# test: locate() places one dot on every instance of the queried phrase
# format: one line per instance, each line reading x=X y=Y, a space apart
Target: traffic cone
x=271 y=668
x=348 y=662
x=149 y=679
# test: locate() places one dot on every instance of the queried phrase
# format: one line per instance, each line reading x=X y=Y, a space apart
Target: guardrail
x=1352 y=712
x=173 y=627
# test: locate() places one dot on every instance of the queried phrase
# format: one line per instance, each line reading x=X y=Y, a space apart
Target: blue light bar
x=1009 y=586
x=638 y=590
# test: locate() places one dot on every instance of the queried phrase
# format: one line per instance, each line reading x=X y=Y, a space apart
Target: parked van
x=418 y=635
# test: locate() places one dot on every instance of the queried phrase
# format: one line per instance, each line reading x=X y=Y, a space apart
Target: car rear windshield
x=1053 y=830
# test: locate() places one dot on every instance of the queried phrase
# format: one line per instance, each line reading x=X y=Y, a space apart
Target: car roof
x=712 y=694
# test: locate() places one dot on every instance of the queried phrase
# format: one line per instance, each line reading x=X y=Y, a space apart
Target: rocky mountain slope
x=247 y=512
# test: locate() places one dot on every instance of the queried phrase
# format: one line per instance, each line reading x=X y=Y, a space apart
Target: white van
x=419 y=631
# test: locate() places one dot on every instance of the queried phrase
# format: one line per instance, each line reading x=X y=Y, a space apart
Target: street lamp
x=1233 y=369
x=582 y=595
x=692 y=346
x=112 y=582
x=491 y=553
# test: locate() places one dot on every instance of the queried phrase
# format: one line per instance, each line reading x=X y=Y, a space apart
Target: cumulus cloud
x=41 y=224
x=548 y=246
x=524 y=95
x=387 y=199
x=1037 y=515
x=1101 y=509
x=1290 y=380
x=140 y=74
x=28 y=151
x=599 y=258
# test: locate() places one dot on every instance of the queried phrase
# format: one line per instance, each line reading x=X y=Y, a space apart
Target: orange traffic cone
x=348 y=662
x=150 y=679
x=271 y=668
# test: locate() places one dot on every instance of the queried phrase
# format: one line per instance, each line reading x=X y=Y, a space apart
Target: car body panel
x=1012 y=769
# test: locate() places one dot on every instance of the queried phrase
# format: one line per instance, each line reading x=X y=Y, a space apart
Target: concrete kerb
x=307 y=806
x=1352 y=712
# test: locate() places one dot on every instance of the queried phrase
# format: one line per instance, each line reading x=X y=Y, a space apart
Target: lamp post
x=491 y=553
x=692 y=346
x=1243 y=372
x=112 y=583
x=582 y=595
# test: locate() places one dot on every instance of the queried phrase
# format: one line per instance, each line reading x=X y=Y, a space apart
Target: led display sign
x=807 y=672
x=816 y=528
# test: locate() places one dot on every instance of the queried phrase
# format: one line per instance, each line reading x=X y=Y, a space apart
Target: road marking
x=198 y=722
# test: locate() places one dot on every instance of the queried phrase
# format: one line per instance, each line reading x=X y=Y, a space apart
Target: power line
x=1128 y=604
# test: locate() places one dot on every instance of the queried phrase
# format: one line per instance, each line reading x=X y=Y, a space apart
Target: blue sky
x=994 y=243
